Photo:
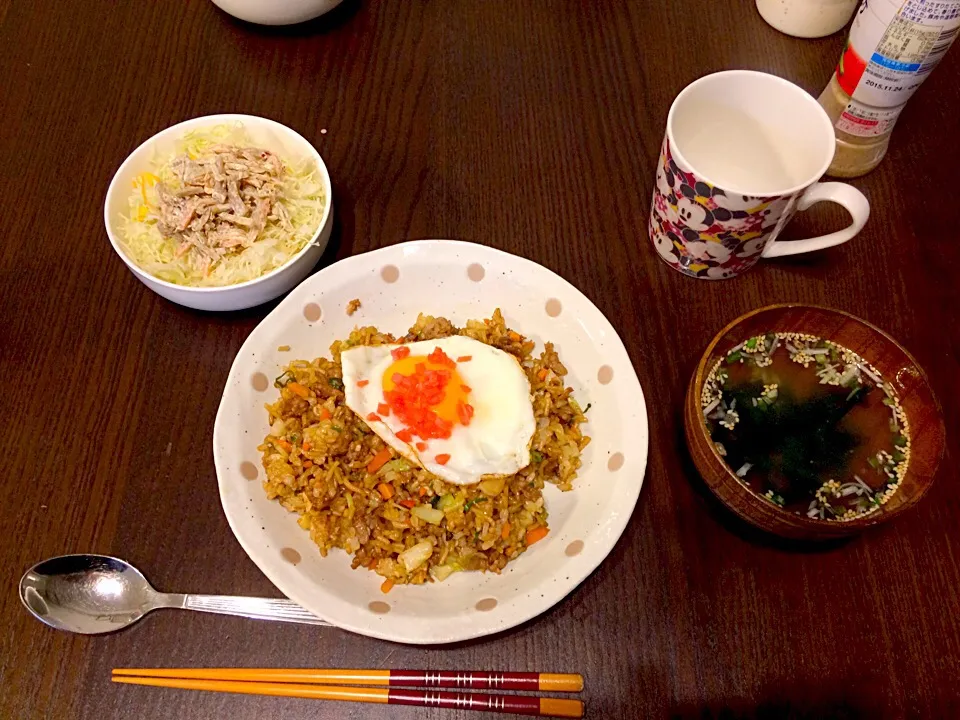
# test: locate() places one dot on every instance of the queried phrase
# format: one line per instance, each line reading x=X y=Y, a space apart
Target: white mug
x=742 y=154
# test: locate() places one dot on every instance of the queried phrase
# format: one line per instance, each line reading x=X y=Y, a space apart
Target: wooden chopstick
x=450 y=679
x=517 y=704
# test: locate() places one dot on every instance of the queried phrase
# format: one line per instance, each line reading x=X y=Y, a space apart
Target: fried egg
x=455 y=406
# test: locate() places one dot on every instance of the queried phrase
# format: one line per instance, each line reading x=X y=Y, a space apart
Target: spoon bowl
x=87 y=594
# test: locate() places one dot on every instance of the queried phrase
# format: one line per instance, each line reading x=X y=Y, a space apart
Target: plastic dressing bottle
x=893 y=46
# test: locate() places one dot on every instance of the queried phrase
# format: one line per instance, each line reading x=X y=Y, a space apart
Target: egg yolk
x=426 y=393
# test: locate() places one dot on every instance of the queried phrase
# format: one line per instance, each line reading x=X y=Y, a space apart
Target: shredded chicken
x=226 y=198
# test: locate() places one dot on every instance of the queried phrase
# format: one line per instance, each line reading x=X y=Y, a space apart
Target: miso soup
x=807 y=424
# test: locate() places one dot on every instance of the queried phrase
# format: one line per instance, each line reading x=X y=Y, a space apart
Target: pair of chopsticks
x=390 y=687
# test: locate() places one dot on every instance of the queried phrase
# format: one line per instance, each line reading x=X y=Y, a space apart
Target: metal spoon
x=92 y=594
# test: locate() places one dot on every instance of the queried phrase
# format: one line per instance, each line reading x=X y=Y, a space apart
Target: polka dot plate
x=459 y=281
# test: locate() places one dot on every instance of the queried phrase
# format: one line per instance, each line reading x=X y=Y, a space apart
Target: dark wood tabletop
x=528 y=125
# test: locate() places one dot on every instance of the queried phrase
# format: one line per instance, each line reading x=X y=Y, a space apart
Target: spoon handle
x=256 y=608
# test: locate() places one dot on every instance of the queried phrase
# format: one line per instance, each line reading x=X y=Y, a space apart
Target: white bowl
x=459 y=281
x=264 y=133
x=276 y=12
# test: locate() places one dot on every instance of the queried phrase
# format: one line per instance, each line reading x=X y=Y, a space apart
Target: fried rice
x=317 y=455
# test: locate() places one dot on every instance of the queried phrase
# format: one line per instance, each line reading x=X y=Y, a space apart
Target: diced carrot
x=400 y=353
x=378 y=460
x=542 y=374
x=306 y=446
x=514 y=336
x=325 y=414
x=404 y=435
x=386 y=491
x=284 y=444
x=371 y=563
x=421 y=446
x=362 y=383
x=465 y=358
x=505 y=532
x=308 y=464
x=383 y=409
x=442 y=459
x=464 y=412
x=536 y=534
x=298 y=389
x=408 y=503
x=387 y=586
x=422 y=491
x=439 y=357
x=373 y=417
x=466 y=388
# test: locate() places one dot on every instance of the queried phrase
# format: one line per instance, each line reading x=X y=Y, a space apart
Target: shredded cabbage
x=302 y=195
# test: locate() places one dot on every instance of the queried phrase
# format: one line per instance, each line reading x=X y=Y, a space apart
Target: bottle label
x=865 y=121
x=893 y=46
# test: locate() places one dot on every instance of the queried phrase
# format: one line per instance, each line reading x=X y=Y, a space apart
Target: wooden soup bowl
x=896 y=365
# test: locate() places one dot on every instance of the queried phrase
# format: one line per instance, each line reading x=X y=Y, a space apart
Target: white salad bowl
x=264 y=133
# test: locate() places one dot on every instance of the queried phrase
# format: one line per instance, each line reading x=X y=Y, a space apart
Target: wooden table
x=529 y=125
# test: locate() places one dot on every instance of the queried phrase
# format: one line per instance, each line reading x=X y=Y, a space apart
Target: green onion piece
x=336 y=383
x=435 y=501
x=900 y=441
x=751 y=344
x=470 y=503
x=733 y=357
x=899 y=456
x=874 y=463
x=283 y=379
x=337 y=428
x=536 y=456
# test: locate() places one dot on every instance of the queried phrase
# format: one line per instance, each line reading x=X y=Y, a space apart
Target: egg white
x=497 y=440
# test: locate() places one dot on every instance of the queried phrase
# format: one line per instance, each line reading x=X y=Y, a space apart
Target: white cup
x=807 y=18
x=742 y=154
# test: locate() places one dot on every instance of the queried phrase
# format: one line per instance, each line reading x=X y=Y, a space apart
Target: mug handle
x=852 y=199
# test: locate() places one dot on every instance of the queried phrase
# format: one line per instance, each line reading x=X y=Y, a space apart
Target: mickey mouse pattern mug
x=742 y=154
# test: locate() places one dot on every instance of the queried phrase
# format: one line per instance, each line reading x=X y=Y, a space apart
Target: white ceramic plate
x=459 y=281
